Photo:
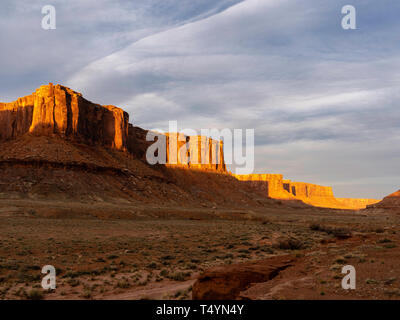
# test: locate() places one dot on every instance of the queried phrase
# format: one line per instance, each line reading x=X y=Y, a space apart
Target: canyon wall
x=55 y=109
x=16 y=117
x=321 y=196
x=314 y=194
x=272 y=184
x=357 y=203
x=279 y=188
x=194 y=152
x=59 y=110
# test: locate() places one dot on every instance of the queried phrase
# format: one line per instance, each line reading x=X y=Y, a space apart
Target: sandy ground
x=157 y=253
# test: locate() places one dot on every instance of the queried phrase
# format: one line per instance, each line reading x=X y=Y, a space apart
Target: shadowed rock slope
x=53 y=168
x=390 y=204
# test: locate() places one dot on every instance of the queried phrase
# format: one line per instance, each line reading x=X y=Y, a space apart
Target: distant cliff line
x=321 y=196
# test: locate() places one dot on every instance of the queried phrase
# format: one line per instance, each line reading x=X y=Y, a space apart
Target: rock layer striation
x=322 y=196
x=55 y=109
x=59 y=110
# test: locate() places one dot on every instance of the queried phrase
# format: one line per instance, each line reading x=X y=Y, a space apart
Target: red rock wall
x=62 y=111
x=271 y=183
x=59 y=110
x=311 y=190
x=195 y=152
x=16 y=117
x=357 y=203
x=276 y=187
x=256 y=181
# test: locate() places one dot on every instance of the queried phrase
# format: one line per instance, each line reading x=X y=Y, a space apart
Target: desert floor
x=114 y=252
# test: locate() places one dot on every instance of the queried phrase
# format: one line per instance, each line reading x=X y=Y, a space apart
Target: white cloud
x=314 y=93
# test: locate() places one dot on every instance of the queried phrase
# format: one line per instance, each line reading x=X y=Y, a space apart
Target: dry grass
x=95 y=257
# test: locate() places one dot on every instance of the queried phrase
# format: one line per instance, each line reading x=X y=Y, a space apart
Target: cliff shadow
x=14 y=123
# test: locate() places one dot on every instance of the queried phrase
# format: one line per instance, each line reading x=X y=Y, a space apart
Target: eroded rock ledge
x=59 y=110
x=228 y=281
x=322 y=196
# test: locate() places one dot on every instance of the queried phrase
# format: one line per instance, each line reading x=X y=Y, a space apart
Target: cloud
x=86 y=31
x=323 y=101
x=311 y=90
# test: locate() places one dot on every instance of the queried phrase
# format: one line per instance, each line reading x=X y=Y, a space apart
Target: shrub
x=315 y=227
x=87 y=294
x=179 y=276
x=342 y=233
x=112 y=256
x=152 y=265
x=35 y=295
x=164 y=273
x=73 y=282
x=123 y=284
x=290 y=244
x=267 y=249
x=390 y=246
x=168 y=257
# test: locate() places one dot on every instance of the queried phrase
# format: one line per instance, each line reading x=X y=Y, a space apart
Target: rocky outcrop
x=390 y=203
x=357 y=203
x=195 y=152
x=316 y=195
x=227 y=282
x=278 y=188
x=55 y=109
x=59 y=110
x=16 y=117
x=271 y=184
x=309 y=190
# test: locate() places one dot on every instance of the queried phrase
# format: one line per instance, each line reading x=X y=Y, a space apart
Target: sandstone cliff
x=357 y=203
x=276 y=187
x=321 y=196
x=59 y=110
x=195 y=152
x=271 y=184
x=55 y=109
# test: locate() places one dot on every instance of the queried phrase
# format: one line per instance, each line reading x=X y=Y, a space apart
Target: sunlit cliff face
x=276 y=187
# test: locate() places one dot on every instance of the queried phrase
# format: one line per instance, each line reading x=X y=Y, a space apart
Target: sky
x=323 y=101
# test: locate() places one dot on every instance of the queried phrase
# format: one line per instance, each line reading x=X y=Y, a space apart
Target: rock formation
x=357 y=203
x=272 y=184
x=55 y=109
x=313 y=194
x=59 y=110
x=390 y=203
x=228 y=281
x=276 y=187
x=194 y=152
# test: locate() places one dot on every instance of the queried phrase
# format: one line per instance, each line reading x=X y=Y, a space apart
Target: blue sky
x=324 y=102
